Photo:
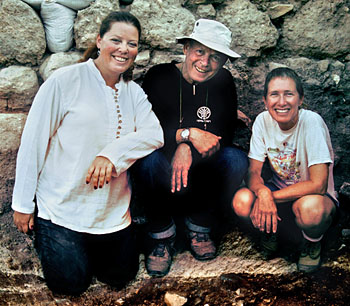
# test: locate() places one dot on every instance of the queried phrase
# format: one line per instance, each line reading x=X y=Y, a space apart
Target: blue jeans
x=212 y=183
x=70 y=259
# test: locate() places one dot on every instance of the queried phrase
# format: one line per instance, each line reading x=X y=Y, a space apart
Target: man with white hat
x=198 y=170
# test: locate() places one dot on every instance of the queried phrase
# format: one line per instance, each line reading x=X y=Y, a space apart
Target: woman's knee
x=63 y=259
x=68 y=285
x=311 y=211
x=69 y=277
x=242 y=202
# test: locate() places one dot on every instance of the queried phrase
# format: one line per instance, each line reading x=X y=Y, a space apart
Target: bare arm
x=317 y=184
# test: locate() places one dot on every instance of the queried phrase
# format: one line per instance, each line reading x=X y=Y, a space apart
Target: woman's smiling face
x=118 y=47
x=282 y=102
x=201 y=62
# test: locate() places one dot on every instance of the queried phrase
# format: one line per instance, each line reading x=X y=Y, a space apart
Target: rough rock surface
x=305 y=34
x=252 y=30
x=58 y=60
x=277 y=10
x=11 y=126
x=160 y=21
x=89 y=20
x=18 y=87
x=22 y=34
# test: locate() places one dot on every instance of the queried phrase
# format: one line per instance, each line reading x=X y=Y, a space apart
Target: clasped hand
x=205 y=143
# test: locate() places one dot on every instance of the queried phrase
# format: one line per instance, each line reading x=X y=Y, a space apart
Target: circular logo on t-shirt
x=204 y=113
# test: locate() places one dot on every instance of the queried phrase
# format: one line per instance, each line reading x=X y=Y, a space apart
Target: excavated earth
x=238 y=276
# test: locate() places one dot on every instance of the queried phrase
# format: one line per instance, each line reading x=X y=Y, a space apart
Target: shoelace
x=159 y=251
x=201 y=237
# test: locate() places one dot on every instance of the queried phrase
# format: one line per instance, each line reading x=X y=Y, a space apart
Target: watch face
x=185 y=133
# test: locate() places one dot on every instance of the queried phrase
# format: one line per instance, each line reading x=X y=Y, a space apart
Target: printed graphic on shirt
x=204 y=113
x=284 y=163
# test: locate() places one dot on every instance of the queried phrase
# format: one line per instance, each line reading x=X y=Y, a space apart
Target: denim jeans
x=70 y=259
x=212 y=183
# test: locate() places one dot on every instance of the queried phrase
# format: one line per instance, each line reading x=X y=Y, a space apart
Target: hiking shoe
x=201 y=246
x=310 y=256
x=159 y=260
x=269 y=245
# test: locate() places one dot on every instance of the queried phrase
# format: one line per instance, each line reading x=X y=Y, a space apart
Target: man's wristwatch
x=185 y=135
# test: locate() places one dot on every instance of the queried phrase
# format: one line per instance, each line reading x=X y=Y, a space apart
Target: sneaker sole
x=157 y=274
x=203 y=257
x=307 y=268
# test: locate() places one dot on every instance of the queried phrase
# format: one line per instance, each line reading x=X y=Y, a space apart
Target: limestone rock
x=206 y=11
x=143 y=58
x=173 y=299
x=58 y=60
x=18 y=86
x=22 y=34
x=162 y=21
x=160 y=57
x=307 y=34
x=190 y=3
x=252 y=30
x=277 y=10
x=11 y=126
x=88 y=22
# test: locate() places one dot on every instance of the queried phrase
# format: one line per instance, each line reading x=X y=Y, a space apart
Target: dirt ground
x=330 y=285
x=21 y=282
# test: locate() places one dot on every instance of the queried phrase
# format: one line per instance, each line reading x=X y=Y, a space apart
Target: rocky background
x=310 y=36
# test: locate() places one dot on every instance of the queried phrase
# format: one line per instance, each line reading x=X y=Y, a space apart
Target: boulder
x=58 y=60
x=18 y=86
x=206 y=11
x=307 y=34
x=11 y=126
x=252 y=30
x=162 y=22
x=88 y=22
x=277 y=10
x=143 y=58
x=22 y=34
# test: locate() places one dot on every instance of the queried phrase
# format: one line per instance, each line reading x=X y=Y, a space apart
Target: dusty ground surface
x=238 y=276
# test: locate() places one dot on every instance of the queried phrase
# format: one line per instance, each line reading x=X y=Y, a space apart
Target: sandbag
x=58 y=23
x=75 y=4
x=36 y=4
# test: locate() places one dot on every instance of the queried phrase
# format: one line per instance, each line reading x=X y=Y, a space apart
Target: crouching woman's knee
x=242 y=202
x=313 y=211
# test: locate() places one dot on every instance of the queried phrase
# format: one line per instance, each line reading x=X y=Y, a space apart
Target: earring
x=98 y=52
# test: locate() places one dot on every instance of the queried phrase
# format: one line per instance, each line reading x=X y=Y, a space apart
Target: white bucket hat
x=213 y=35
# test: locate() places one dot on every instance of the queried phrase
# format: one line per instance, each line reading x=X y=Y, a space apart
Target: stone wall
x=310 y=36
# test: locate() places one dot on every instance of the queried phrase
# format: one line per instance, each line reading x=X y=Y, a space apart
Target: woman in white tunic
x=88 y=124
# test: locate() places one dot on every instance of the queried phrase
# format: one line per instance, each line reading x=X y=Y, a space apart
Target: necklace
x=203 y=112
